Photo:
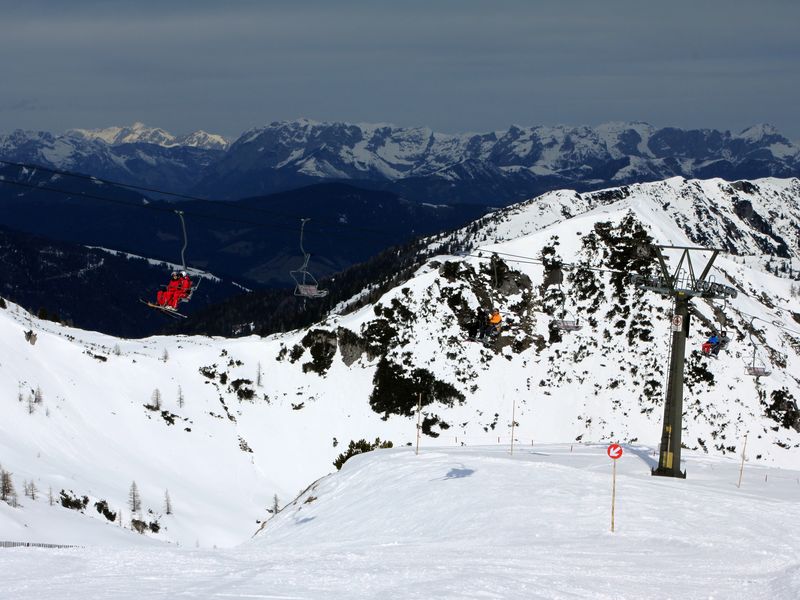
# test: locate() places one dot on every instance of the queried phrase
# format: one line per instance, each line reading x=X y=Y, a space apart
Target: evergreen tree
x=275 y=506
x=6 y=486
x=30 y=490
x=155 y=399
x=134 y=500
x=167 y=503
x=180 y=397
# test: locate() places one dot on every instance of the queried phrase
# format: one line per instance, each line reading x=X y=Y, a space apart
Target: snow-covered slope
x=361 y=374
x=475 y=523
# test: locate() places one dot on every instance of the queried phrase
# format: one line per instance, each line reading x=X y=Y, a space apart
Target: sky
x=452 y=65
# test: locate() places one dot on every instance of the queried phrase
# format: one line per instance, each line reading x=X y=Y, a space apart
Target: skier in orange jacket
x=493 y=325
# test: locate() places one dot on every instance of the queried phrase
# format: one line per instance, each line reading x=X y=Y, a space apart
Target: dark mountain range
x=91 y=288
x=254 y=242
x=495 y=168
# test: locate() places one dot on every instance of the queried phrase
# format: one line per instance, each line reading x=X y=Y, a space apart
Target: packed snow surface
x=474 y=523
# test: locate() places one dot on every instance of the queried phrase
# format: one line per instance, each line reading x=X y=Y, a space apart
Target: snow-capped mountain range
x=239 y=420
x=495 y=168
x=139 y=133
x=366 y=151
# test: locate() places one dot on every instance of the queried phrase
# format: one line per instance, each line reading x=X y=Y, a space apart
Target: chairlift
x=194 y=285
x=306 y=285
x=756 y=367
x=567 y=324
x=568 y=321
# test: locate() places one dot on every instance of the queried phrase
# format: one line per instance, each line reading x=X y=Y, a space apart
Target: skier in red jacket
x=184 y=285
x=167 y=297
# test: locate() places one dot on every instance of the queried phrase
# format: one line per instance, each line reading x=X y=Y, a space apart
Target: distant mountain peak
x=759 y=132
x=140 y=133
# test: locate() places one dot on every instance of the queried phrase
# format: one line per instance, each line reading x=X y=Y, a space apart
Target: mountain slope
x=757 y=221
x=361 y=374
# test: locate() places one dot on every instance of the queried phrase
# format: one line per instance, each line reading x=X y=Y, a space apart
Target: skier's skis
x=172 y=313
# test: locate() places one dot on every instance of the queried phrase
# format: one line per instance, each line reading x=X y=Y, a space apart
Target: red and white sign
x=614 y=451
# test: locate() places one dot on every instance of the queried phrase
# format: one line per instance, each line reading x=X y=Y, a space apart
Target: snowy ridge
x=497 y=167
x=141 y=133
x=173 y=266
x=742 y=218
x=360 y=375
x=327 y=149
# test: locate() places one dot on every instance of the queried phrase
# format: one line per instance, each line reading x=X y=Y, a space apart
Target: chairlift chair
x=568 y=322
x=306 y=285
x=756 y=367
x=757 y=371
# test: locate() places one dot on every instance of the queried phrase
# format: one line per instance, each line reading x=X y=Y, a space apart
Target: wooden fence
x=34 y=545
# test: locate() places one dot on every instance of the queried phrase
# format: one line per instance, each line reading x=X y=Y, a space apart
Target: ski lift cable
x=774 y=322
x=183 y=196
x=535 y=261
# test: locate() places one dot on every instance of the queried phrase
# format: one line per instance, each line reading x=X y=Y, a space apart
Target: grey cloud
x=452 y=65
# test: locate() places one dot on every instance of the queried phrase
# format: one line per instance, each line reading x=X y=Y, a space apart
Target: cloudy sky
x=453 y=65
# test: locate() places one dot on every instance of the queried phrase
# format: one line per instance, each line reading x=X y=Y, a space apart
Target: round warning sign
x=614 y=451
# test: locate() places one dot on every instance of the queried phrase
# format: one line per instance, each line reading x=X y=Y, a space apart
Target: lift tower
x=682 y=285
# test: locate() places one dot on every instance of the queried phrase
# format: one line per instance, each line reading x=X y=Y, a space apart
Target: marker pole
x=513 y=422
x=419 y=419
x=613 y=491
x=741 y=469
